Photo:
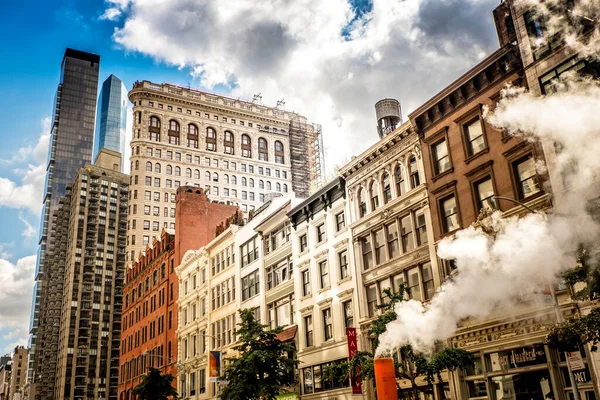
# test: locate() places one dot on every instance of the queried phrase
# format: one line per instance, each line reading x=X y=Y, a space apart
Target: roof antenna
x=257 y=98
x=280 y=104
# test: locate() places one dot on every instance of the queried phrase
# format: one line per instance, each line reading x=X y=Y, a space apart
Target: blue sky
x=330 y=60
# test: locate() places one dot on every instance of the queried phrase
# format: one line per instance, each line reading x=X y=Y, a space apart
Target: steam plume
x=505 y=261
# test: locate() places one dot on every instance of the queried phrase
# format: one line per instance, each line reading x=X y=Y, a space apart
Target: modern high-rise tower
x=71 y=141
x=111 y=117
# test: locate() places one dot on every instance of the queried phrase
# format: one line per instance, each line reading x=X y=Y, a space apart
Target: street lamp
x=559 y=316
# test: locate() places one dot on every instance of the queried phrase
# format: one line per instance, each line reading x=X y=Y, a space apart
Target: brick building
x=149 y=328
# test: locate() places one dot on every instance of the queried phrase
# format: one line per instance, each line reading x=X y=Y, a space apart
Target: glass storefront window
x=477 y=388
x=524 y=386
x=516 y=358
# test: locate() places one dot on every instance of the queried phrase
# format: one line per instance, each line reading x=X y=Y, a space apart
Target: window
x=526 y=177
x=251 y=182
x=540 y=46
x=414 y=172
x=380 y=255
x=215 y=177
x=484 y=194
x=233 y=180
x=399 y=180
x=279 y=154
x=340 y=221
x=211 y=139
x=278 y=187
x=308 y=331
x=246 y=146
x=348 y=314
x=228 y=143
x=474 y=137
x=154 y=129
x=373 y=194
x=414 y=286
x=306 y=290
x=441 y=157
x=362 y=203
x=173 y=132
x=449 y=214
x=157 y=167
x=321 y=234
x=263 y=150
x=280 y=312
x=261 y=184
x=367 y=252
x=279 y=273
x=387 y=189
x=268 y=185
x=303 y=243
x=250 y=285
x=285 y=188
x=583 y=67
x=177 y=171
x=324 y=273
x=406 y=231
x=192 y=137
x=249 y=251
x=315 y=379
x=148 y=166
x=392 y=240
x=188 y=173
x=343 y=263
x=327 y=325
x=427 y=277
x=421 y=229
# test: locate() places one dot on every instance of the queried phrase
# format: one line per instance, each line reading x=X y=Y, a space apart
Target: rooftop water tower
x=389 y=116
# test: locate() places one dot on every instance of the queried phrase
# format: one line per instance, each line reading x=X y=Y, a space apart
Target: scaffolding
x=307 y=159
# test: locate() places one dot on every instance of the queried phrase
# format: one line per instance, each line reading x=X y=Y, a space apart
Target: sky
x=329 y=60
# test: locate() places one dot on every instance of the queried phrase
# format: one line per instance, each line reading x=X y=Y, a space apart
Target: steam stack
x=385 y=379
x=389 y=116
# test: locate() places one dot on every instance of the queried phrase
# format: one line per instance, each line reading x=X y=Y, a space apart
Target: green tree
x=580 y=329
x=264 y=366
x=409 y=364
x=155 y=386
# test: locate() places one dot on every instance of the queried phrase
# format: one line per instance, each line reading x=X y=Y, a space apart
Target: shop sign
x=352 y=350
x=517 y=358
x=214 y=365
x=575 y=360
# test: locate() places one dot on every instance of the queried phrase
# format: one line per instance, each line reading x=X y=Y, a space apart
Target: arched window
x=188 y=172
x=244 y=182
x=251 y=182
x=399 y=181
x=414 y=172
x=154 y=128
x=387 y=188
x=207 y=176
x=233 y=180
x=173 y=132
x=196 y=174
x=211 y=139
x=177 y=171
x=192 y=137
x=268 y=185
x=215 y=177
x=278 y=187
x=374 y=195
x=279 y=155
x=246 y=146
x=261 y=184
x=285 y=188
x=228 y=142
x=169 y=170
x=157 y=167
x=137 y=164
x=148 y=166
x=226 y=178
x=362 y=202
x=263 y=149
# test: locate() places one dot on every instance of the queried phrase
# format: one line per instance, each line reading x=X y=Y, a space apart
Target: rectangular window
x=321 y=233
x=340 y=221
x=367 y=252
x=324 y=272
x=250 y=285
x=249 y=251
x=441 y=157
x=372 y=300
x=392 y=239
x=406 y=231
x=427 y=277
x=308 y=329
x=327 y=325
x=380 y=246
x=348 y=314
x=306 y=283
x=421 y=229
x=474 y=137
x=484 y=193
x=449 y=214
x=303 y=243
x=414 y=286
x=526 y=177
x=343 y=263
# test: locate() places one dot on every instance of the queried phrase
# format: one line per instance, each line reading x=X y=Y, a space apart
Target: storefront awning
x=287 y=334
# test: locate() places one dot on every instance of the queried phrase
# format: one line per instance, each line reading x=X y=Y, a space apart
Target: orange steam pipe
x=385 y=379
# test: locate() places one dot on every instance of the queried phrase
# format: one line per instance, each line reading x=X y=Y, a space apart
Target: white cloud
x=111 y=14
x=28 y=193
x=295 y=50
x=16 y=281
x=4 y=253
x=13 y=338
x=29 y=231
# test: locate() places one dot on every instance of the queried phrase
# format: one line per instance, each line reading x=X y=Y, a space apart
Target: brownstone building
x=149 y=329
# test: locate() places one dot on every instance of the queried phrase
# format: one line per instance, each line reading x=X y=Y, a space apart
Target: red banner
x=352 y=350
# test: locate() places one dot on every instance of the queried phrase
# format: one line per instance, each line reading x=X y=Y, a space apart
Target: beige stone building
x=18 y=372
x=237 y=151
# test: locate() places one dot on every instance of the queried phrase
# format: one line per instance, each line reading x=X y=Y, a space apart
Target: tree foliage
x=409 y=364
x=265 y=365
x=155 y=386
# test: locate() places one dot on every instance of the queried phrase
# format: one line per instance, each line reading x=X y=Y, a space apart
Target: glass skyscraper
x=71 y=143
x=111 y=117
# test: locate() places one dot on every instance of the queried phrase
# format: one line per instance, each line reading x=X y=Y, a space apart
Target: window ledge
x=344 y=280
x=308 y=296
x=446 y=172
x=323 y=290
x=474 y=156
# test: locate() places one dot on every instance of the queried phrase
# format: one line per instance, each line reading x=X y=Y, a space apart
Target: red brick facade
x=149 y=318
